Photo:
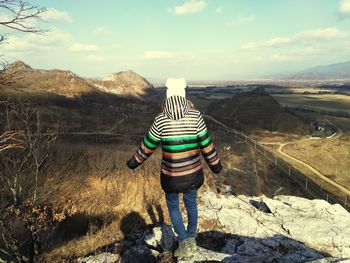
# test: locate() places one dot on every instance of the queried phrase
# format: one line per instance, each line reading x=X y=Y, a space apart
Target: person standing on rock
x=184 y=136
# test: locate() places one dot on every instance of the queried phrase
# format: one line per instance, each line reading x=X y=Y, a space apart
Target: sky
x=195 y=39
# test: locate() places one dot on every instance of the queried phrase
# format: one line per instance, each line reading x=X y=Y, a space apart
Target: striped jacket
x=183 y=135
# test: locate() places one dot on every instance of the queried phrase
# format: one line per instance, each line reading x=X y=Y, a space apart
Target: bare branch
x=8 y=77
x=19 y=14
x=11 y=140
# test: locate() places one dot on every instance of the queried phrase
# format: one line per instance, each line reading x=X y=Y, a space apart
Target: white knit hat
x=175 y=87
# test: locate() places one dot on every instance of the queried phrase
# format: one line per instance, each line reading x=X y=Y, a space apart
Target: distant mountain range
x=68 y=84
x=338 y=71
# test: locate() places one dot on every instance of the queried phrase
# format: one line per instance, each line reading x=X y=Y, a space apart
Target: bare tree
x=20 y=170
x=17 y=15
x=10 y=139
x=24 y=148
x=32 y=148
x=20 y=16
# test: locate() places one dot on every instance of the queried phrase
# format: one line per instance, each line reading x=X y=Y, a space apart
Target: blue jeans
x=190 y=200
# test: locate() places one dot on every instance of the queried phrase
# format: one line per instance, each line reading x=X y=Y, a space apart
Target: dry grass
x=341 y=123
x=100 y=198
x=330 y=157
x=249 y=173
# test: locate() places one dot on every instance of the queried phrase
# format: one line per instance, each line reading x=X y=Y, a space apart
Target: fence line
x=295 y=174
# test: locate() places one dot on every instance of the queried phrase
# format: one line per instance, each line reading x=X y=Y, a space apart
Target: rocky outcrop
x=256 y=111
x=316 y=223
x=18 y=66
x=66 y=83
x=124 y=83
x=252 y=229
x=101 y=258
x=36 y=81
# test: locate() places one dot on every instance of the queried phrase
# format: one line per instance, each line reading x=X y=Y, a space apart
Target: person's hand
x=217 y=168
x=131 y=163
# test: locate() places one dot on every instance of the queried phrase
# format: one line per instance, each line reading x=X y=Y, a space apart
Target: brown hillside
x=125 y=83
x=60 y=82
x=66 y=83
x=256 y=111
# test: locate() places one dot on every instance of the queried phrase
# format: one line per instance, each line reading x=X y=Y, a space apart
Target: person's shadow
x=133 y=226
x=152 y=214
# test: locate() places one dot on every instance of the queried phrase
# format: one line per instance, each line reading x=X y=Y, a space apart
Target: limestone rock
x=322 y=227
x=161 y=237
x=330 y=260
x=101 y=258
x=205 y=255
x=253 y=229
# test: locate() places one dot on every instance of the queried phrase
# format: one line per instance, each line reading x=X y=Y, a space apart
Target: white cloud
x=241 y=20
x=282 y=57
x=34 y=42
x=158 y=54
x=101 y=30
x=251 y=46
x=219 y=10
x=14 y=43
x=52 y=14
x=344 y=7
x=324 y=33
x=94 y=58
x=307 y=51
x=167 y=56
x=49 y=15
x=309 y=36
x=294 y=55
x=190 y=7
x=277 y=41
x=4 y=17
x=117 y=46
x=78 y=47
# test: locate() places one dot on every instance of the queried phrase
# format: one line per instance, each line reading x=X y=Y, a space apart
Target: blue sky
x=196 y=39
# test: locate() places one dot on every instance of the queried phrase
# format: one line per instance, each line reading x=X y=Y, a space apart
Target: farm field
x=330 y=157
x=317 y=102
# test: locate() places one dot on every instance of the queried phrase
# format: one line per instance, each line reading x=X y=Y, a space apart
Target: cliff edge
x=247 y=229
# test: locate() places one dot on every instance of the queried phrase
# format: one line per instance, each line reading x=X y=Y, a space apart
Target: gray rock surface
x=252 y=229
x=101 y=258
x=315 y=223
x=331 y=260
x=161 y=237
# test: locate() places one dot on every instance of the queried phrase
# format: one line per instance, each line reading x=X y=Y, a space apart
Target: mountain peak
x=122 y=74
x=337 y=71
x=19 y=65
x=259 y=91
x=126 y=82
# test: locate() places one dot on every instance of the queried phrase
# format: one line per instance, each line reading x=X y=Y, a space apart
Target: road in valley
x=311 y=168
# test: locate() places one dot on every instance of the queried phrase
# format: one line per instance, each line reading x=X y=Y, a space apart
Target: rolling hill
x=254 y=111
x=125 y=83
x=25 y=79
x=338 y=71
